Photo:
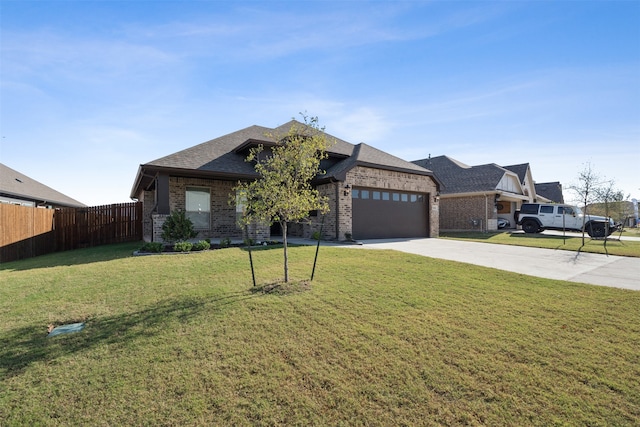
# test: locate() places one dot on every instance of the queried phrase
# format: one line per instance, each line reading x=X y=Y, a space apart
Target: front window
x=198 y=207
x=241 y=204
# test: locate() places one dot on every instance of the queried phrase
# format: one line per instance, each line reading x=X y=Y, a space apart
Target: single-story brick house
x=18 y=189
x=372 y=194
x=474 y=197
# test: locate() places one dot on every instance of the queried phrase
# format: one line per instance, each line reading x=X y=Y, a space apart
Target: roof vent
x=18 y=179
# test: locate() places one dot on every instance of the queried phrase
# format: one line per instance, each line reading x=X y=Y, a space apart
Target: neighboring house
x=19 y=189
x=550 y=192
x=526 y=180
x=371 y=194
x=474 y=197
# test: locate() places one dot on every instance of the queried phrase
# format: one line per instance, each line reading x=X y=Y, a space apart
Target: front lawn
x=614 y=246
x=380 y=338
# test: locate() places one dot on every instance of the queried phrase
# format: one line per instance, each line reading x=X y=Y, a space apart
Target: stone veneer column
x=158 y=221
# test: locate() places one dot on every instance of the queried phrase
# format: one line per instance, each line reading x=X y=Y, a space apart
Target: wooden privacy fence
x=26 y=232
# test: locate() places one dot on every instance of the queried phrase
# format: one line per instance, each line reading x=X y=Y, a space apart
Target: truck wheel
x=530 y=226
x=595 y=230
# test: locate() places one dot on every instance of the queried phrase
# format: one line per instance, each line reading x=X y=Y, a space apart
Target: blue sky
x=90 y=90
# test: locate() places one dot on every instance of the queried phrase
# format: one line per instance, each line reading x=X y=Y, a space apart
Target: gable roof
x=224 y=157
x=456 y=177
x=368 y=156
x=16 y=185
x=520 y=170
x=551 y=191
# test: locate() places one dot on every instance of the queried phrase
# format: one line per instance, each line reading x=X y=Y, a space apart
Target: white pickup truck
x=537 y=217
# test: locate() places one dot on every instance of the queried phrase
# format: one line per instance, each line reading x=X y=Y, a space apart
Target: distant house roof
x=17 y=187
x=456 y=177
x=551 y=191
x=224 y=157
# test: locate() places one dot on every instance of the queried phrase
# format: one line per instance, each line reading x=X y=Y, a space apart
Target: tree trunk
x=283 y=225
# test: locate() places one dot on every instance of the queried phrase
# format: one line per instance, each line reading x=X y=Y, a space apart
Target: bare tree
x=586 y=190
x=606 y=194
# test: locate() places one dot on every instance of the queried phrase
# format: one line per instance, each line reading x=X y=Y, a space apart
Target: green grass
x=631 y=232
x=379 y=338
x=570 y=243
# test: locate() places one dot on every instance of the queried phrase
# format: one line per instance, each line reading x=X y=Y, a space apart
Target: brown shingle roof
x=216 y=155
x=224 y=157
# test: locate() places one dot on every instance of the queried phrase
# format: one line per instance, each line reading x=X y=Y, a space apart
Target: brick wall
x=389 y=180
x=223 y=215
x=468 y=213
x=312 y=224
x=337 y=221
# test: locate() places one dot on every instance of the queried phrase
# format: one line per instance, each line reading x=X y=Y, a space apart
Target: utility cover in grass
x=66 y=329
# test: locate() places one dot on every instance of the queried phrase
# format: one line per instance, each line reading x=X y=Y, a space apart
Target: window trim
x=194 y=188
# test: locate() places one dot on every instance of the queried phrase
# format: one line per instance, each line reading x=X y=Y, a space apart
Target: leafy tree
x=283 y=193
x=177 y=227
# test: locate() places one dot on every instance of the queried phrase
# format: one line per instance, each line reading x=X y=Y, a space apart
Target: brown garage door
x=380 y=214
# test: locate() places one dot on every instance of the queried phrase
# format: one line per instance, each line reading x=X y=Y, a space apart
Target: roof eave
x=152 y=171
x=484 y=193
x=41 y=201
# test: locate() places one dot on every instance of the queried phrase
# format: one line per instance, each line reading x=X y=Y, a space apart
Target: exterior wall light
x=347 y=189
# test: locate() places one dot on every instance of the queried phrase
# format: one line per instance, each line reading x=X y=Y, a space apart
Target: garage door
x=379 y=214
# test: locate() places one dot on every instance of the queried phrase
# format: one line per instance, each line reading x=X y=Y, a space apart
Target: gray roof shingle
x=17 y=185
x=456 y=177
x=551 y=191
x=520 y=170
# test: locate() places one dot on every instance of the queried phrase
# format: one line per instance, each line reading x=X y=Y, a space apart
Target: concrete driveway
x=595 y=269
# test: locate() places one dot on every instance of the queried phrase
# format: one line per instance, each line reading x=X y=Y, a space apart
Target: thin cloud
x=56 y=55
x=259 y=33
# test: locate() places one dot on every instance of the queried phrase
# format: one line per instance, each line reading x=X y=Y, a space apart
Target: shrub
x=225 y=243
x=177 y=227
x=347 y=236
x=152 y=247
x=315 y=235
x=182 y=246
x=202 y=245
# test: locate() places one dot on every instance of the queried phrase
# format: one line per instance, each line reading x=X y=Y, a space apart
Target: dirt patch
x=282 y=288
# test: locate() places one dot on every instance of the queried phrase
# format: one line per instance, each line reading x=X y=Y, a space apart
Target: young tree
x=283 y=193
x=585 y=188
x=608 y=196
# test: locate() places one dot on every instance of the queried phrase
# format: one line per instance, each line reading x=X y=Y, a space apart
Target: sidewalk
x=595 y=269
